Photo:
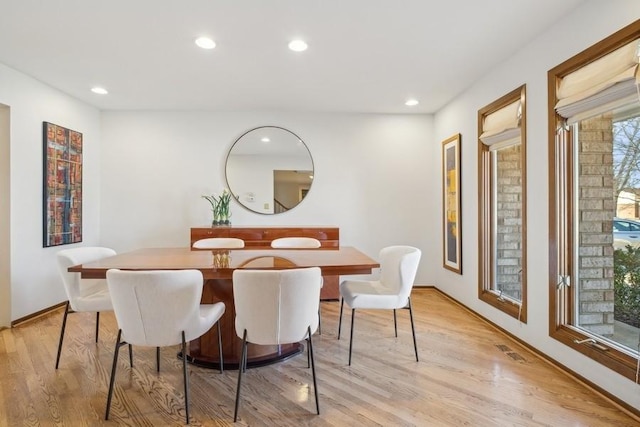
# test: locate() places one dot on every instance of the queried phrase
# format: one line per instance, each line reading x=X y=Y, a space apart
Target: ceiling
x=365 y=56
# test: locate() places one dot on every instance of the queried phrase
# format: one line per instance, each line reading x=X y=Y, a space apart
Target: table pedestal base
x=284 y=352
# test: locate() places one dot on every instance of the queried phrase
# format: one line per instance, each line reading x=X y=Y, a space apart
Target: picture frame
x=451 y=204
x=62 y=185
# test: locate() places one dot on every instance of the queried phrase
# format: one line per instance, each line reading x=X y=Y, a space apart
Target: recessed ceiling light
x=298 y=45
x=99 y=90
x=411 y=102
x=265 y=139
x=205 y=43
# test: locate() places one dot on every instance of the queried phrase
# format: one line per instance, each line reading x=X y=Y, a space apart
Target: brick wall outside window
x=596 y=209
x=509 y=221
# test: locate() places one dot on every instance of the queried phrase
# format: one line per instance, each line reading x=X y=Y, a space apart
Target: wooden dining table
x=217 y=268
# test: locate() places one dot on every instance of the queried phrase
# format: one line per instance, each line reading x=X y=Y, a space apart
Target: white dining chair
x=83 y=295
x=392 y=291
x=276 y=307
x=299 y=243
x=157 y=309
x=218 y=243
x=295 y=243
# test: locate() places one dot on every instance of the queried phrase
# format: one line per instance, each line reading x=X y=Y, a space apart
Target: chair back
x=69 y=257
x=219 y=243
x=398 y=268
x=295 y=243
x=276 y=306
x=154 y=307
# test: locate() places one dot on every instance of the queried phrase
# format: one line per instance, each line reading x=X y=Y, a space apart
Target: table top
x=219 y=264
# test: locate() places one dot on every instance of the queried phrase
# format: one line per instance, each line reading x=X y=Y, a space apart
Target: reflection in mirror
x=269 y=170
x=502 y=239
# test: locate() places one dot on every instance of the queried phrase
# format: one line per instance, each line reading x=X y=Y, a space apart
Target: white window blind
x=502 y=126
x=600 y=86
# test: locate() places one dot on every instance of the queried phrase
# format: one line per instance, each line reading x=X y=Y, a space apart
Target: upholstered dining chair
x=299 y=243
x=295 y=243
x=398 y=267
x=159 y=309
x=219 y=243
x=276 y=307
x=83 y=295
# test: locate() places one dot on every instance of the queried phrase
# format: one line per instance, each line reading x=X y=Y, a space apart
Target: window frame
x=486 y=217
x=561 y=237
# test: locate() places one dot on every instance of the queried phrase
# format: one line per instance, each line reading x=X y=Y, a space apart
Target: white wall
x=35 y=284
x=369 y=176
x=5 y=243
x=590 y=23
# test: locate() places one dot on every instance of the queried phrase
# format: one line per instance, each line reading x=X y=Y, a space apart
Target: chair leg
x=220 y=348
x=413 y=330
x=319 y=321
x=130 y=356
x=241 y=367
x=64 y=325
x=395 y=322
x=158 y=359
x=313 y=372
x=97 y=324
x=113 y=373
x=185 y=376
x=340 y=321
x=353 y=318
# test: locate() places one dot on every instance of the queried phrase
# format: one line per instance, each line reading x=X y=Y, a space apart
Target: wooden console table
x=260 y=237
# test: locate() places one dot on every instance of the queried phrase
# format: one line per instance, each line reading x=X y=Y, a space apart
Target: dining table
x=217 y=267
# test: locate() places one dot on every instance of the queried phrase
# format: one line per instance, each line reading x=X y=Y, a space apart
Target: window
x=594 y=136
x=502 y=190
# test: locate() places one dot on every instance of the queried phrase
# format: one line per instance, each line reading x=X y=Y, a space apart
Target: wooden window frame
x=561 y=209
x=485 y=194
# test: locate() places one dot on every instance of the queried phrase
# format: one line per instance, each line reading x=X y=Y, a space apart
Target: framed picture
x=62 y=185
x=451 y=204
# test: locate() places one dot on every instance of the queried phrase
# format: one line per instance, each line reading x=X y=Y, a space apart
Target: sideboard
x=260 y=237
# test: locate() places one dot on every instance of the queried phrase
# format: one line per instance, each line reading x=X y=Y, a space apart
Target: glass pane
x=608 y=256
x=508 y=222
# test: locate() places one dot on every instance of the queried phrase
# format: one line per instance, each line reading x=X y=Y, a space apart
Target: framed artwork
x=62 y=185
x=451 y=203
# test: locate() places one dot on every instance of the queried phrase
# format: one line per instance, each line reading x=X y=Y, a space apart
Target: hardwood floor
x=468 y=374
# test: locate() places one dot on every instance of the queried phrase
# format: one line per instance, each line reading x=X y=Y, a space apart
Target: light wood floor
x=468 y=374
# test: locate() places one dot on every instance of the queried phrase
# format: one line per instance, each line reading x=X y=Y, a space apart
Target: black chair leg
x=97 y=324
x=413 y=330
x=395 y=322
x=185 y=376
x=64 y=325
x=158 y=359
x=113 y=373
x=353 y=318
x=319 y=321
x=220 y=348
x=313 y=372
x=130 y=356
x=340 y=321
x=241 y=368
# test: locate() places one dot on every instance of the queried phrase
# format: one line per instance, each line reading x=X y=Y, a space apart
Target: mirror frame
x=238 y=196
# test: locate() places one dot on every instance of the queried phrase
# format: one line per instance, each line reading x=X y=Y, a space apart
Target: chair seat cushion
x=99 y=300
x=370 y=294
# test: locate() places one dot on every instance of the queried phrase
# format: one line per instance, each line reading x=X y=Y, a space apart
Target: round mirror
x=269 y=170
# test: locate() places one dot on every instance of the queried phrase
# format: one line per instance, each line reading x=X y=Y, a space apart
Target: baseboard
x=623 y=406
x=37 y=314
